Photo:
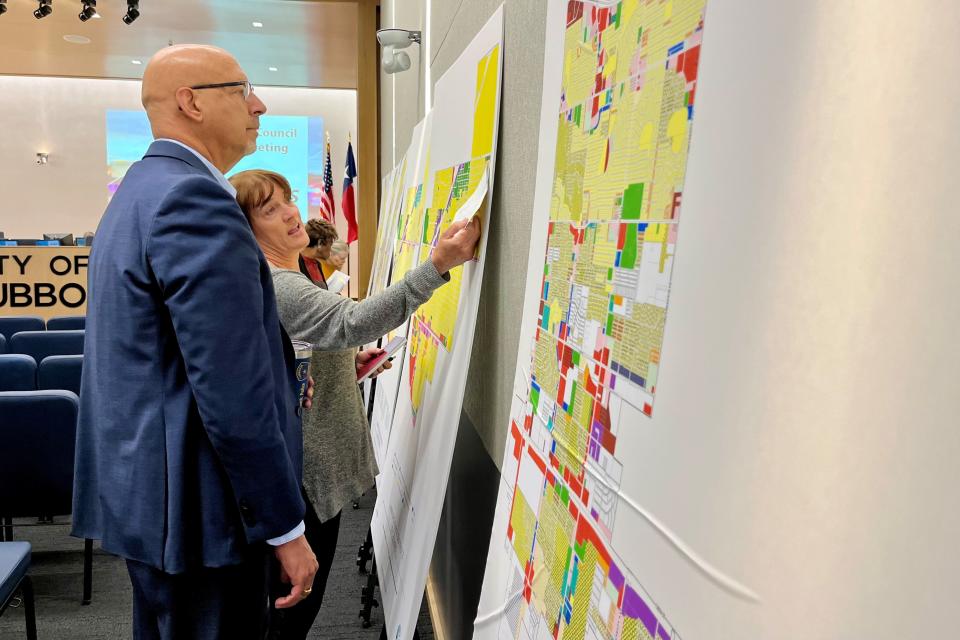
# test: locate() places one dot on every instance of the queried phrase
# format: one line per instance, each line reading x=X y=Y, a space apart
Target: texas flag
x=347 y=203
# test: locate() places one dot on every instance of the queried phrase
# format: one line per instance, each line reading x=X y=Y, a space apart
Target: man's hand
x=298 y=565
x=456 y=245
x=366 y=355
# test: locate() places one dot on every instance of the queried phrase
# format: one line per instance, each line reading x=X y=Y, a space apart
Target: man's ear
x=187 y=104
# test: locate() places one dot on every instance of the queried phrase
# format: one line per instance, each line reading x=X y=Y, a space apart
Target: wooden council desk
x=43 y=281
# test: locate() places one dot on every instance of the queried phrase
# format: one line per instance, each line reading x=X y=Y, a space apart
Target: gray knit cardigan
x=338 y=462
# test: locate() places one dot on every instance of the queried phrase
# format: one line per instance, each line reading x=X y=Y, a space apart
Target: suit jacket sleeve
x=207 y=263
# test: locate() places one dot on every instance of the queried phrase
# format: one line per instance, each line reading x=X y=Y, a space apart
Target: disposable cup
x=302 y=353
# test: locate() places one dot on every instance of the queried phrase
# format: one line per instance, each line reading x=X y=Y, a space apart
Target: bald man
x=189 y=447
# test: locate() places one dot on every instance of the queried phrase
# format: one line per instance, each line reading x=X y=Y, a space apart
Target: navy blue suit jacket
x=188 y=444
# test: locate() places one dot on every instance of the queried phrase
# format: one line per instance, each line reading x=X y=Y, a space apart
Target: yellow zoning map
x=409 y=232
x=627 y=103
x=433 y=325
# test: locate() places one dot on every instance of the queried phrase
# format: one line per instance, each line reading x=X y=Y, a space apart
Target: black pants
x=294 y=623
x=227 y=603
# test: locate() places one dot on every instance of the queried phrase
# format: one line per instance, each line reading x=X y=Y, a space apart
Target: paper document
x=337 y=281
x=475 y=201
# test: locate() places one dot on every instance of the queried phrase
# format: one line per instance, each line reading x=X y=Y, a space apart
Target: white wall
x=65 y=117
x=804 y=437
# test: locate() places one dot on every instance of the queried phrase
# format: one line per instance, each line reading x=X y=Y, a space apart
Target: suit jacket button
x=247 y=514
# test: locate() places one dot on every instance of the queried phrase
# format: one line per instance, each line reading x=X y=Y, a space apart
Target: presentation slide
x=290 y=145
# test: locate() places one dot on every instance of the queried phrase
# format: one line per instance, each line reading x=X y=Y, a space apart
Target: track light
x=3 y=7
x=43 y=9
x=133 y=11
x=88 y=10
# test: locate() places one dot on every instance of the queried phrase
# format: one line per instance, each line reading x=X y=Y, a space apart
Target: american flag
x=327 y=209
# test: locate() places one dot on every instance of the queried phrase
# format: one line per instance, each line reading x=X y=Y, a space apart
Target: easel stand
x=367 y=599
x=365 y=553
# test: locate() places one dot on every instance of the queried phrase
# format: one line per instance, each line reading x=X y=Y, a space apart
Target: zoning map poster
x=447 y=178
x=383 y=390
x=407 y=183
x=620 y=82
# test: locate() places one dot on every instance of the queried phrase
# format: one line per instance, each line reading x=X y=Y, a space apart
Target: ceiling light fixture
x=136 y=62
x=257 y=25
x=3 y=7
x=133 y=11
x=88 y=10
x=44 y=8
x=271 y=68
x=73 y=38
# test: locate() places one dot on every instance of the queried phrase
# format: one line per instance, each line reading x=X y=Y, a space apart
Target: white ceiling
x=312 y=44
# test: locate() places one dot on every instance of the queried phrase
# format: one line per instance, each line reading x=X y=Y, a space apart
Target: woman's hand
x=456 y=245
x=366 y=355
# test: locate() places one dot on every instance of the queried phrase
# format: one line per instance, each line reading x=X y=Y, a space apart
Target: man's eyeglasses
x=247 y=87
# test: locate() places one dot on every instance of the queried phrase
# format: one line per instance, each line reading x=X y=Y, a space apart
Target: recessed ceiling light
x=271 y=68
x=257 y=25
x=136 y=62
x=75 y=39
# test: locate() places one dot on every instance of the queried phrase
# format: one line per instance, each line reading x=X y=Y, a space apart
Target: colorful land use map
x=433 y=325
x=450 y=159
x=628 y=92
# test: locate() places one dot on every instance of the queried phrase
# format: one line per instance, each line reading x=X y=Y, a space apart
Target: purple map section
x=635 y=607
x=596 y=434
x=616 y=578
x=662 y=634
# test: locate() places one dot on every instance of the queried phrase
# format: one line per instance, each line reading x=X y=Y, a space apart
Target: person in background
x=321 y=234
x=339 y=251
x=333 y=271
x=338 y=453
x=189 y=448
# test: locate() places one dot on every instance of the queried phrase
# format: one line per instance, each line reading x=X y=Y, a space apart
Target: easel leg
x=367 y=601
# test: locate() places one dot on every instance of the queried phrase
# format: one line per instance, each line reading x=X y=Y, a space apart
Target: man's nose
x=256 y=105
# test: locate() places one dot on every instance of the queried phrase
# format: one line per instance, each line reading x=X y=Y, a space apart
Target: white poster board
x=460 y=156
x=796 y=475
x=400 y=243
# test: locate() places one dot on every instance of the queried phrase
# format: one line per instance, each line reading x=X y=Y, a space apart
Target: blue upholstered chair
x=66 y=323
x=14 y=562
x=38 y=432
x=41 y=344
x=18 y=372
x=3 y=343
x=10 y=325
x=60 y=372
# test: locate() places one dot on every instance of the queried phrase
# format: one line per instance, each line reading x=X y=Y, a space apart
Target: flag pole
x=349 y=248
